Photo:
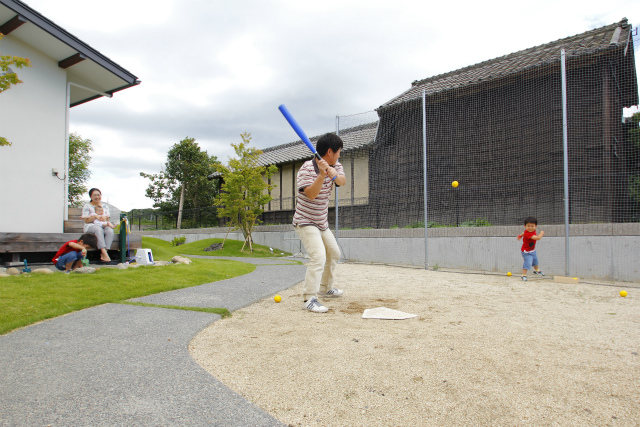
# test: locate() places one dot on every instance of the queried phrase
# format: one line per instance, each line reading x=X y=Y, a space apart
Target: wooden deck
x=17 y=246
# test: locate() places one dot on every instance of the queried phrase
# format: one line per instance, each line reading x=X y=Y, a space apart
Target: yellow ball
x=277 y=298
x=509 y=274
x=623 y=293
x=454 y=184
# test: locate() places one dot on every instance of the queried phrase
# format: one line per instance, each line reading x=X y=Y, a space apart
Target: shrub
x=177 y=241
x=478 y=222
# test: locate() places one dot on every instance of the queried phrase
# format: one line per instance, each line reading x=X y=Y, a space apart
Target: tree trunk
x=247 y=230
x=227 y=235
x=180 y=206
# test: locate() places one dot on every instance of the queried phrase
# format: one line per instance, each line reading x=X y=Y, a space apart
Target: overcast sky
x=213 y=69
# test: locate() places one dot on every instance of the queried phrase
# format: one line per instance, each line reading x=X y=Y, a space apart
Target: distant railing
x=168 y=220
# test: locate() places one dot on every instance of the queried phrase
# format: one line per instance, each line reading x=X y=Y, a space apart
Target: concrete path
x=123 y=365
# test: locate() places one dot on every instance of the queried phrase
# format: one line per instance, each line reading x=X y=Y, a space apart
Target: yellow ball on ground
x=277 y=298
x=454 y=184
x=509 y=274
x=623 y=293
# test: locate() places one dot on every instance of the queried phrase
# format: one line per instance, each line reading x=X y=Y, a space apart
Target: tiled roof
x=614 y=35
x=353 y=138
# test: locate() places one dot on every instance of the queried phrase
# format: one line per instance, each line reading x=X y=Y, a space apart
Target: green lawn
x=30 y=298
x=231 y=248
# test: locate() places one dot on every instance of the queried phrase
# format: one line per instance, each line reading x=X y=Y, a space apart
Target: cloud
x=212 y=69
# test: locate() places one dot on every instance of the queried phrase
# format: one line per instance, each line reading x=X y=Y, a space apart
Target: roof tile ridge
x=623 y=22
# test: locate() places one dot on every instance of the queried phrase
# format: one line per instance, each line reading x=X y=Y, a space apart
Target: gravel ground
x=485 y=350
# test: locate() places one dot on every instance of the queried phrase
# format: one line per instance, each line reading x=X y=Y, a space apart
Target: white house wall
x=344 y=192
x=288 y=194
x=275 y=192
x=361 y=179
x=32 y=117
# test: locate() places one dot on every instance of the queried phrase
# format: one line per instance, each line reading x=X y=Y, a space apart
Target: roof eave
x=111 y=92
x=71 y=41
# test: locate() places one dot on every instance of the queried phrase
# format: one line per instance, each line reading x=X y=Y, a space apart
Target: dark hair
x=531 y=220
x=89 y=239
x=326 y=141
x=92 y=190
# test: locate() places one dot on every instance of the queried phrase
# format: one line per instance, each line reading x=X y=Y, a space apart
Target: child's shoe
x=524 y=278
x=539 y=272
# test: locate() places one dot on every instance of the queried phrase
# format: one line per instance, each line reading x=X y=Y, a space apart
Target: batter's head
x=326 y=141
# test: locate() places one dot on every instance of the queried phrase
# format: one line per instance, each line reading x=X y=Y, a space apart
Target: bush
x=177 y=241
x=478 y=222
x=433 y=224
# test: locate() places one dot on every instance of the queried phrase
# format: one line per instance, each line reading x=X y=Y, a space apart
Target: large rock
x=214 y=247
x=42 y=271
x=12 y=271
x=181 y=260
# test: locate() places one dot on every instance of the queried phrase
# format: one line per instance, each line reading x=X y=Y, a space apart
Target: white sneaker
x=332 y=293
x=312 y=304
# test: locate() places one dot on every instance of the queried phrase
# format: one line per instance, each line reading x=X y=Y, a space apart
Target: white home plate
x=386 y=313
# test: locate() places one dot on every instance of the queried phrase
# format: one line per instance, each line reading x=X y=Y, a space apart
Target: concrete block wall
x=597 y=251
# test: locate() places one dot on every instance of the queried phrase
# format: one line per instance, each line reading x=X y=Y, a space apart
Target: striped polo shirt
x=316 y=211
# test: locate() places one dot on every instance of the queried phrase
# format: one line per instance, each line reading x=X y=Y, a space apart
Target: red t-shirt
x=528 y=244
x=65 y=249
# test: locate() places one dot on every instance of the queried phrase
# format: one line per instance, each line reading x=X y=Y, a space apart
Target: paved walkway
x=123 y=365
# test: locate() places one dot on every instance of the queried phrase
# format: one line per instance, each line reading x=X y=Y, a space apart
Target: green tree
x=183 y=184
x=245 y=190
x=8 y=77
x=79 y=174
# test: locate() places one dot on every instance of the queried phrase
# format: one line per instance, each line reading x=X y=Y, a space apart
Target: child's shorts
x=67 y=258
x=530 y=259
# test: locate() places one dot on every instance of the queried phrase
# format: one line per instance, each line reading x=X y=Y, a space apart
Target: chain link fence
x=548 y=132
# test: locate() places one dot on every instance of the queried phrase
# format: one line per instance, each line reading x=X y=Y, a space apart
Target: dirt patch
x=358 y=307
x=484 y=351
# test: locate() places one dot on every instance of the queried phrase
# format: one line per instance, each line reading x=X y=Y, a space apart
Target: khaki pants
x=324 y=253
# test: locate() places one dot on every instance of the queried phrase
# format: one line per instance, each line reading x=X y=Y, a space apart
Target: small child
x=98 y=221
x=70 y=255
x=529 y=239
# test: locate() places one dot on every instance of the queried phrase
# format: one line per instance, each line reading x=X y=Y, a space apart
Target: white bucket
x=144 y=257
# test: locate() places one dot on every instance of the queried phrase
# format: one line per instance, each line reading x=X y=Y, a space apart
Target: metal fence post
x=565 y=151
x=123 y=238
x=424 y=151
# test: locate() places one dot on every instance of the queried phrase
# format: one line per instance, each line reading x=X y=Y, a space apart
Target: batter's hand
x=333 y=174
x=324 y=167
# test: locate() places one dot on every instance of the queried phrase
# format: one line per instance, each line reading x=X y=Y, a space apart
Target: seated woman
x=104 y=234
